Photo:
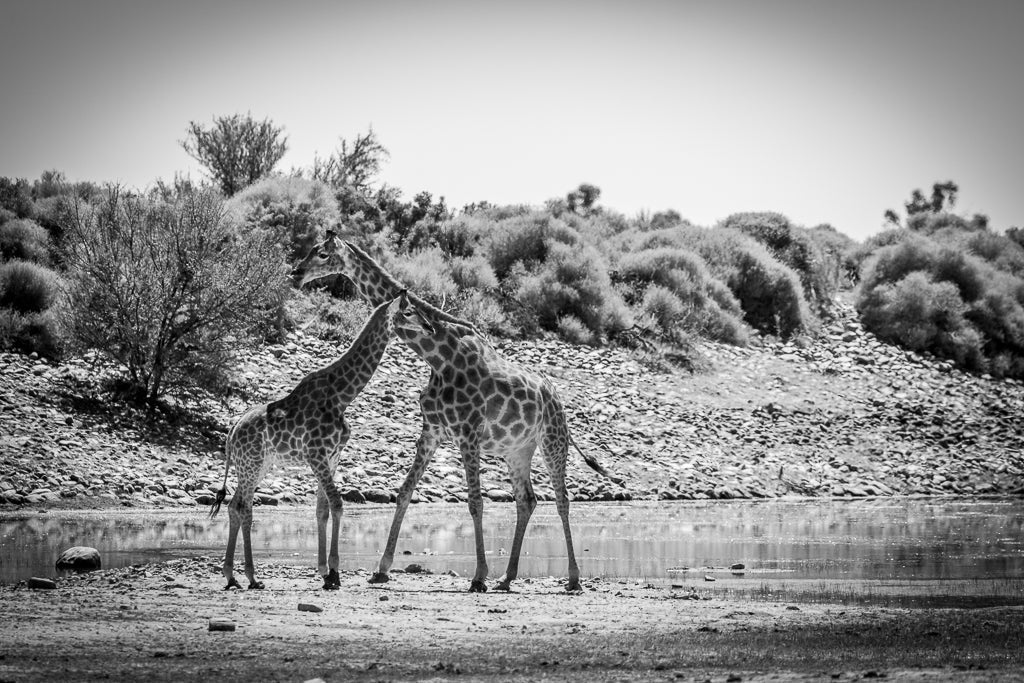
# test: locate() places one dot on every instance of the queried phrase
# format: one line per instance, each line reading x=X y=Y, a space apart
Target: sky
x=827 y=111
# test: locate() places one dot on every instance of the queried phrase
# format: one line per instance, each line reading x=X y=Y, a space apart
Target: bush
x=473 y=272
x=518 y=239
x=572 y=281
x=27 y=287
x=24 y=239
x=326 y=317
x=913 y=282
x=168 y=286
x=794 y=247
x=30 y=332
x=923 y=315
x=678 y=293
x=427 y=273
x=291 y=209
x=769 y=293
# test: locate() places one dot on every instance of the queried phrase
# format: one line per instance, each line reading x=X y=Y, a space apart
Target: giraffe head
x=327 y=257
x=334 y=256
x=432 y=337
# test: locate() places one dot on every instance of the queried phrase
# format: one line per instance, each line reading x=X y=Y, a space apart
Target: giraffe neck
x=376 y=285
x=348 y=375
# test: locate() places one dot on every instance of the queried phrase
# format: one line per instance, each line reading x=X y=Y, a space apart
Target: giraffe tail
x=222 y=494
x=594 y=464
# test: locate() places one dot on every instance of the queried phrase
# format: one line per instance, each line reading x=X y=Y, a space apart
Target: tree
x=167 y=286
x=353 y=164
x=582 y=199
x=237 y=150
x=943 y=198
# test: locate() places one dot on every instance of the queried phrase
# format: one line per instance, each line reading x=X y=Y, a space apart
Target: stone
x=308 y=607
x=353 y=496
x=221 y=625
x=80 y=559
x=38 y=583
x=377 y=496
x=500 y=496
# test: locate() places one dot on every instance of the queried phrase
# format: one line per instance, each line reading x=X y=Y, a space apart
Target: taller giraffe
x=308 y=423
x=474 y=397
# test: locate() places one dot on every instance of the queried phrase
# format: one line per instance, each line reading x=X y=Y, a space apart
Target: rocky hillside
x=843 y=415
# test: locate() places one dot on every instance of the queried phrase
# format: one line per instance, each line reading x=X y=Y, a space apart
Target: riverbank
x=842 y=415
x=172 y=621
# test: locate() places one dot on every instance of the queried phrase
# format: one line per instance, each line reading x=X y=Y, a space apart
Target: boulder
x=377 y=496
x=80 y=559
x=353 y=496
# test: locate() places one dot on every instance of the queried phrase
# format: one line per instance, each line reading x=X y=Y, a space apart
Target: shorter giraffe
x=308 y=423
x=486 y=405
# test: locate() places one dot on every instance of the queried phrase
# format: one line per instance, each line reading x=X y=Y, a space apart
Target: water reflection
x=875 y=539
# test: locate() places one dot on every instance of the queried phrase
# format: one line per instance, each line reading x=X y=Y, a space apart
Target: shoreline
x=157 y=623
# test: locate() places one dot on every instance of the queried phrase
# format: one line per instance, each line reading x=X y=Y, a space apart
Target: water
x=881 y=539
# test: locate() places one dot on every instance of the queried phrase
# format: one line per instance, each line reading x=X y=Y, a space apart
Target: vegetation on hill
x=944 y=283
x=172 y=281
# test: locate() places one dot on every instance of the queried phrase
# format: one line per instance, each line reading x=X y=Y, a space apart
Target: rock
x=307 y=607
x=500 y=496
x=353 y=496
x=37 y=583
x=221 y=625
x=266 y=499
x=738 y=566
x=80 y=559
x=377 y=496
x=414 y=568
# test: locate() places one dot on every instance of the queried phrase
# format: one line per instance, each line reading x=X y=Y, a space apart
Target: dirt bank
x=842 y=415
x=153 y=623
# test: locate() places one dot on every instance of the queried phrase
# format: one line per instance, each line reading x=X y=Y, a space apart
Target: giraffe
x=308 y=422
x=482 y=402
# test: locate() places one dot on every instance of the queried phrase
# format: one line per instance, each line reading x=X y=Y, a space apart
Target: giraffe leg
x=526 y=503
x=329 y=505
x=555 y=453
x=471 y=463
x=245 y=508
x=240 y=516
x=323 y=512
x=425 y=448
x=234 y=522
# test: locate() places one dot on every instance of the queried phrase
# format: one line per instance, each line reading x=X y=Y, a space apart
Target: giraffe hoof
x=504 y=586
x=573 y=587
x=332 y=581
x=233 y=583
x=379 y=577
x=256 y=585
x=477 y=586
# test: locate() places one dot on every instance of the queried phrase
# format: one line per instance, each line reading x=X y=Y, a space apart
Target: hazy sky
x=826 y=111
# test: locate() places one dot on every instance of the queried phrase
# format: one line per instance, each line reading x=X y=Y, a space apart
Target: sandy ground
x=153 y=623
